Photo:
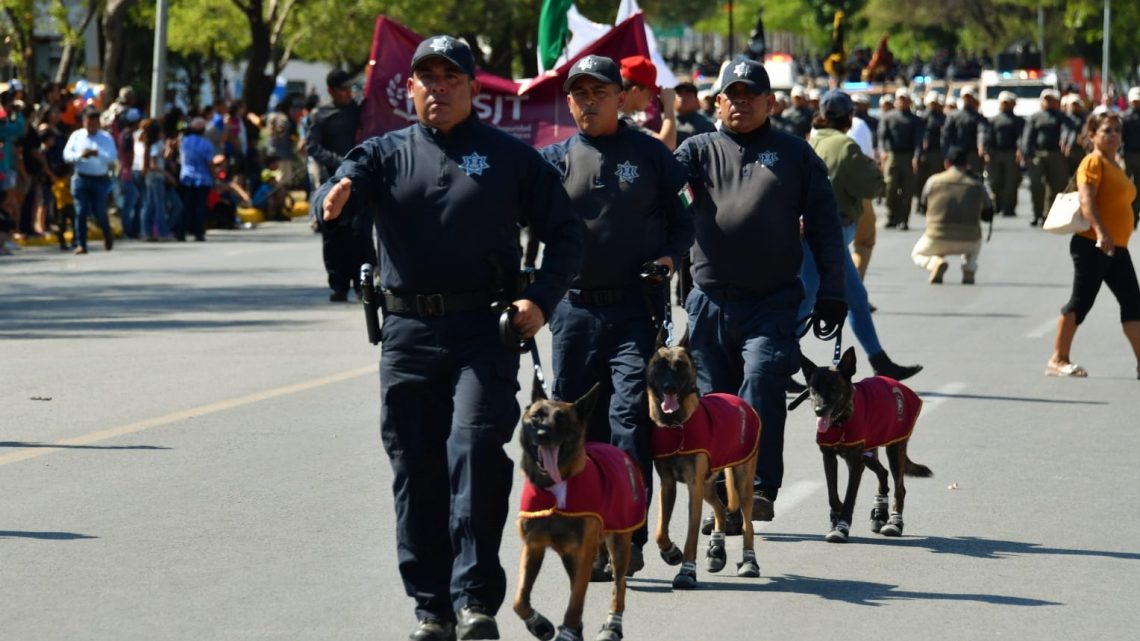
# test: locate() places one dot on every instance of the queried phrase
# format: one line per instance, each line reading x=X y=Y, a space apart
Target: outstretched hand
x=336 y=199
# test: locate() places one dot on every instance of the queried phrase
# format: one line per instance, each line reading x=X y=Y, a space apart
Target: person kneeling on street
x=955 y=203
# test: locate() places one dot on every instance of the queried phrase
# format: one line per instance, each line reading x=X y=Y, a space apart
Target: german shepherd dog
x=671 y=386
x=556 y=459
x=853 y=420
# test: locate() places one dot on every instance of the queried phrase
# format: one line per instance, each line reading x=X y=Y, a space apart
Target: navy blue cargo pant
x=447 y=407
x=746 y=345
x=610 y=345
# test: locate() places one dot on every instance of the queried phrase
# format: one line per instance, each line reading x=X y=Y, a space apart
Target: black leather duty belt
x=597 y=297
x=435 y=304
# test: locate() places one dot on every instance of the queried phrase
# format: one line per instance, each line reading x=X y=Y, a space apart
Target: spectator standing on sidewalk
x=92 y=153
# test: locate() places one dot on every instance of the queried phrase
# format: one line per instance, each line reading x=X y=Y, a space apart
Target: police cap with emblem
x=748 y=72
x=447 y=49
x=597 y=67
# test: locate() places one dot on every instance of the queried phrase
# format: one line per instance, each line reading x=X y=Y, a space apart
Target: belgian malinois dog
x=693 y=438
x=853 y=420
x=577 y=495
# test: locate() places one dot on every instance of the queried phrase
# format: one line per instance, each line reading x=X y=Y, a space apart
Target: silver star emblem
x=586 y=64
x=740 y=70
x=474 y=164
x=440 y=44
x=626 y=172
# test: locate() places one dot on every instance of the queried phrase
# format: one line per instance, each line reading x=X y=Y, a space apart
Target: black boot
x=884 y=366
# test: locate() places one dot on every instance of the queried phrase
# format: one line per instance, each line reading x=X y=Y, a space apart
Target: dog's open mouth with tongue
x=548 y=455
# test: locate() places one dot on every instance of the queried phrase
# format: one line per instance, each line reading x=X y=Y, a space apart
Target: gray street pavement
x=189 y=450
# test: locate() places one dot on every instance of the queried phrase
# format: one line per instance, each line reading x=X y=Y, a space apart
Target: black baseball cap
x=598 y=67
x=685 y=86
x=447 y=49
x=338 y=79
x=836 y=104
x=746 y=71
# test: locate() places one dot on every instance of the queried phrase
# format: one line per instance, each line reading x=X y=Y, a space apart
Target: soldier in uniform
x=900 y=140
x=800 y=114
x=930 y=159
x=447 y=196
x=1074 y=144
x=779 y=107
x=1041 y=148
x=863 y=112
x=690 y=120
x=1130 y=144
x=966 y=128
x=1000 y=145
x=632 y=194
x=331 y=136
x=753 y=184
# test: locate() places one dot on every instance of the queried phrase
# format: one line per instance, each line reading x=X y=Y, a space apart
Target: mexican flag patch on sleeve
x=686 y=195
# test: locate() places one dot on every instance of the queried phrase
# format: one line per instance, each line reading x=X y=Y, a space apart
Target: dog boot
x=539 y=626
x=884 y=366
x=879 y=513
x=748 y=568
x=838 y=534
x=673 y=555
x=566 y=634
x=894 y=526
x=611 y=629
x=715 y=556
x=686 y=579
x=600 y=571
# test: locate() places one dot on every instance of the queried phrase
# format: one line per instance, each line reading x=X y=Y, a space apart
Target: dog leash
x=510 y=339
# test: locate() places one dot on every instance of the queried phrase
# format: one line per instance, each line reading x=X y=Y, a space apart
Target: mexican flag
x=553 y=31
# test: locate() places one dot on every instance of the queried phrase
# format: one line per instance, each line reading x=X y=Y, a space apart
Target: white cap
x=969 y=90
x=798 y=92
x=1050 y=93
x=886 y=99
x=813 y=94
x=902 y=92
x=1007 y=96
x=782 y=98
x=862 y=99
x=933 y=98
x=1134 y=94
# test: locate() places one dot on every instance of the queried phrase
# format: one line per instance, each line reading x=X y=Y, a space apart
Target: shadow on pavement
x=22 y=444
x=1016 y=399
x=45 y=536
x=969 y=546
x=950 y=314
x=876 y=594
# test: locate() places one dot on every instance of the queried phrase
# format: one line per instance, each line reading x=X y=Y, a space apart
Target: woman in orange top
x=1100 y=255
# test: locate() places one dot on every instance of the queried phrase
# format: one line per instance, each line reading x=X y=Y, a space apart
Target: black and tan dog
x=853 y=420
x=693 y=438
x=576 y=495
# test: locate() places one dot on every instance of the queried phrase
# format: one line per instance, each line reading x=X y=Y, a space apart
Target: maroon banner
x=533 y=110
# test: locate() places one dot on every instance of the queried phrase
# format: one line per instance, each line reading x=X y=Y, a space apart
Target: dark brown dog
x=853 y=420
x=671 y=385
x=556 y=462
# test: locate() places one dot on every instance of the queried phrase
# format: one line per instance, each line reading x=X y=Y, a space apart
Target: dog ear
x=585 y=405
x=847 y=363
x=807 y=367
x=537 y=392
x=659 y=342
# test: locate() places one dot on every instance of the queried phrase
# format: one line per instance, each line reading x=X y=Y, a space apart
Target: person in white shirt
x=91 y=151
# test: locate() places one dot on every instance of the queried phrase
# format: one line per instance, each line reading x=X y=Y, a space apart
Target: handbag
x=1064 y=216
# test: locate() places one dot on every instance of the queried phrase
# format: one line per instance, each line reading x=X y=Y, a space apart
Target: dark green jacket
x=854 y=176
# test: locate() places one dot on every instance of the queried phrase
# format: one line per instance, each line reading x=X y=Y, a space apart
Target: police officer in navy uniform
x=753 y=184
x=331 y=136
x=632 y=194
x=448 y=196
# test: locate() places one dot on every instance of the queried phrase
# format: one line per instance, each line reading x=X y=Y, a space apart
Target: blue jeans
x=154 y=207
x=90 y=200
x=128 y=203
x=858 y=309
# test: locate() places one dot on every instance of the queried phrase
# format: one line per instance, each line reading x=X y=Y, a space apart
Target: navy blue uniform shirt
x=751 y=190
x=631 y=193
x=444 y=204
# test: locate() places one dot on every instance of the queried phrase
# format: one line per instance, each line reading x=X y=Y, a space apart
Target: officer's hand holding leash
x=827 y=319
x=528 y=319
x=336 y=199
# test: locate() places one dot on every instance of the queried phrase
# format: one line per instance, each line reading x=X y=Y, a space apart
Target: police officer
x=1041 y=147
x=900 y=140
x=331 y=136
x=1002 y=167
x=1073 y=146
x=690 y=120
x=863 y=112
x=632 y=194
x=800 y=114
x=930 y=159
x=447 y=196
x=752 y=186
x=965 y=129
x=1130 y=144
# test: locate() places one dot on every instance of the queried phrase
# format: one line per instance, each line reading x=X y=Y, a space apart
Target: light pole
x=732 y=33
x=1104 y=55
x=158 y=77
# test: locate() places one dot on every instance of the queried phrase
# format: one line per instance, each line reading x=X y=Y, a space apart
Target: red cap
x=640 y=71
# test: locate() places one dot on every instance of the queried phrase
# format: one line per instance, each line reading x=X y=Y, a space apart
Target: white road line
x=202 y=410
x=943 y=394
x=789 y=498
x=1044 y=329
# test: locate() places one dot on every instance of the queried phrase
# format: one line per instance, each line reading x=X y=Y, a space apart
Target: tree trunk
x=257 y=85
x=217 y=87
x=66 y=62
x=194 y=67
x=114 y=62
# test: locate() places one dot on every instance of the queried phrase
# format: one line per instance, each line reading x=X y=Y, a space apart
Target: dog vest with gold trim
x=884 y=412
x=610 y=488
x=724 y=427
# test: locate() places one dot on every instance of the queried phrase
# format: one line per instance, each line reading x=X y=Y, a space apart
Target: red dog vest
x=885 y=412
x=610 y=488
x=725 y=428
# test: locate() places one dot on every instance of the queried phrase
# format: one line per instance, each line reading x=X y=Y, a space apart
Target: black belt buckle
x=430 y=305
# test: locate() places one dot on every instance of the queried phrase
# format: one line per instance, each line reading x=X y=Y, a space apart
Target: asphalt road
x=189 y=450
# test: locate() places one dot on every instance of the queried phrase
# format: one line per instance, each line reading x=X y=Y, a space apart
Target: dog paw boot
x=715 y=557
x=672 y=555
x=838 y=534
x=566 y=634
x=748 y=568
x=894 y=526
x=879 y=513
x=686 y=579
x=611 y=629
x=884 y=366
x=539 y=626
